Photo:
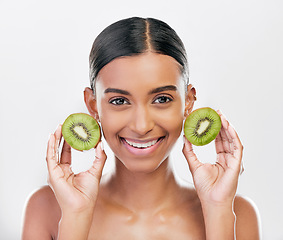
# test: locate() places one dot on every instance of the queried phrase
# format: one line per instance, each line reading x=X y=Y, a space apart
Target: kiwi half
x=81 y=131
x=202 y=126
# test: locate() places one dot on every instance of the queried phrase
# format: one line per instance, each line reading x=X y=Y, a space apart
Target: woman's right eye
x=118 y=101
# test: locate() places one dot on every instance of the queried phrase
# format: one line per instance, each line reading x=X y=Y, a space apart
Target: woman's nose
x=141 y=121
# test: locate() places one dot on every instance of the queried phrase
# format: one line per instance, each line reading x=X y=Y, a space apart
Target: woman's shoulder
x=42 y=199
x=247 y=218
x=42 y=214
x=244 y=205
x=248 y=224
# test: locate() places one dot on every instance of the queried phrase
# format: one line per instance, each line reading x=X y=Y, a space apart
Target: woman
x=140 y=95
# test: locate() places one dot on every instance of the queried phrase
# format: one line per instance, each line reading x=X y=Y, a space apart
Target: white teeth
x=141 y=145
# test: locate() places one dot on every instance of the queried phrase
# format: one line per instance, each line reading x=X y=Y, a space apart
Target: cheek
x=111 y=122
x=172 y=121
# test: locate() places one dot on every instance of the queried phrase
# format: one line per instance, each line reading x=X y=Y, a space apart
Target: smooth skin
x=142 y=100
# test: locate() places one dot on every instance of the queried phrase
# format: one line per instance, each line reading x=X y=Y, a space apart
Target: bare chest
x=141 y=228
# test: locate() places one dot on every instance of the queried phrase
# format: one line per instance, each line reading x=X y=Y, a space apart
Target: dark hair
x=133 y=36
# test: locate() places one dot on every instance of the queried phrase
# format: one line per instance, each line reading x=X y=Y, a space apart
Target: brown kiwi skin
x=99 y=132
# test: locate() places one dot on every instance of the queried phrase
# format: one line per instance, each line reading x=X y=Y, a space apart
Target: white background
x=235 y=55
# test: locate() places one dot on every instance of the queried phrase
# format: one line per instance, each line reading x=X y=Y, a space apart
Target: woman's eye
x=162 y=99
x=119 y=101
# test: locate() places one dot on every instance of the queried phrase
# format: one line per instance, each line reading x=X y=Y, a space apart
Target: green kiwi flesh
x=81 y=131
x=202 y=126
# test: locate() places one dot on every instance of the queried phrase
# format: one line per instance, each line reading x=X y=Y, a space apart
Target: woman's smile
x=141 y=147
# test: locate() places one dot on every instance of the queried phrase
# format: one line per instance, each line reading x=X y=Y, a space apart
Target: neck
x=143 y=191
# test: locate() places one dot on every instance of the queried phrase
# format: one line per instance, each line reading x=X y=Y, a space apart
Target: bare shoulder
x=248 y=224
x=42 y=214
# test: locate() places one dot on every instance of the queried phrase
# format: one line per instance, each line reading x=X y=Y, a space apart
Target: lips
x=140 y=147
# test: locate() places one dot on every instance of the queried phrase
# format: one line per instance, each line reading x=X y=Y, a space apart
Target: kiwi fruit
x=202 y=126
x=81 y=131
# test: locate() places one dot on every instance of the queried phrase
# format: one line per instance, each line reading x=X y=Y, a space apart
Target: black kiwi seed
x=81 y=131
x=202 y=126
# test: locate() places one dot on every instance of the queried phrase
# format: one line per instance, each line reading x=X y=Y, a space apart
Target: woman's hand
x=74 y=192
x=216 y=184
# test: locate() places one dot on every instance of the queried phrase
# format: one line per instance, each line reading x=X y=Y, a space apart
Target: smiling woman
x=145 y=95
x=140 y=95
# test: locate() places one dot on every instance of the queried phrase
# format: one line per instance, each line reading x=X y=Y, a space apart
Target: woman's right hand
x=74 y=192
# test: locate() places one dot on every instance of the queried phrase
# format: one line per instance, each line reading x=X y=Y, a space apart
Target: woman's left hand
x=217 y=183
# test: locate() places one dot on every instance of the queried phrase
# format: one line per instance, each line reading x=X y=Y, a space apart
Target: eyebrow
x=164 y=88
x=153 y=91
x=116 y=90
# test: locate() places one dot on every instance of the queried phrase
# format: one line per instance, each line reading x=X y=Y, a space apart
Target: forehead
x=149 y=69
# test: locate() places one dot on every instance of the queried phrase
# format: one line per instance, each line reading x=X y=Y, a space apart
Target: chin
x=145 y=166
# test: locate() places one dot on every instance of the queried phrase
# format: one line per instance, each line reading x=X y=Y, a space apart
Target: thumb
x=99 y=162
x=190 y=156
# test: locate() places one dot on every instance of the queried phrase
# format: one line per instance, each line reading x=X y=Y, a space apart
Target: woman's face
x=140 y=103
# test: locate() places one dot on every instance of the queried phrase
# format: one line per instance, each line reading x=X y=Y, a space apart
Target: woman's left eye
x=118 y=101
x=162 y=99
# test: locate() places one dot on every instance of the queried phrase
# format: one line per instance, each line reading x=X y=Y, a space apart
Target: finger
x=223 y=119
x=225 y=141
x=220 y=151
x=219 y=144
x=51 y=158
x=233 y=138
x=99 y=162
x=228 y=127
x=224 y=135
x=58 y=137
x=66 y=157
x=237 y=145
x=190 y=156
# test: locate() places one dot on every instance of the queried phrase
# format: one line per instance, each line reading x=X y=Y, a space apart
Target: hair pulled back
x=133 y=36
